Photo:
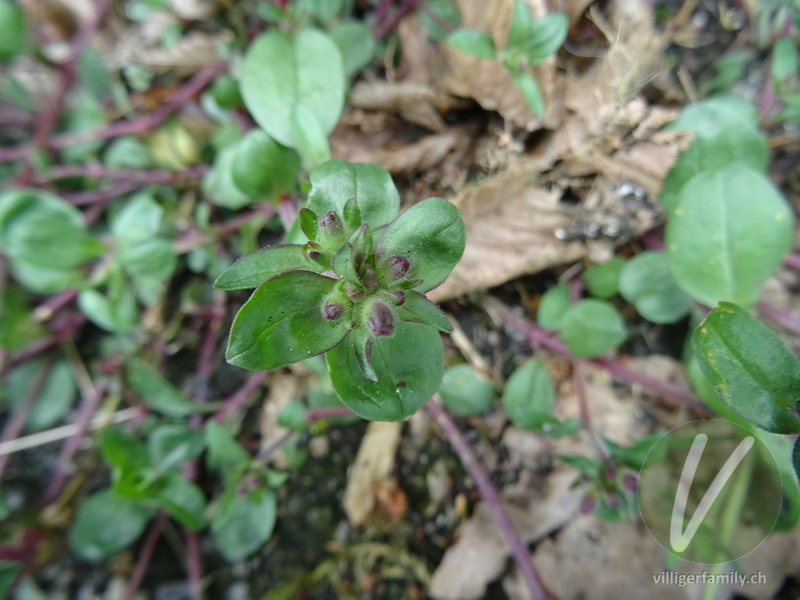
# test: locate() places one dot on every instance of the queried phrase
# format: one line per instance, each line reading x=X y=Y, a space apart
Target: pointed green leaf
x=546 y=37
x=431 y=236
x=343 y=264
x=472 y=41
x=183 y=500
x=417 y=308
x=521 y=26
x=171 y=445
x=723 y=245
x=335 y=182
x=253 y=269
x=283 y=322
x=750 y=368
x=409 y=366
x=123 y=451
x=286 y=71
x=308 y=224
x=225 y=454
x=530 y=90
x=157 y=392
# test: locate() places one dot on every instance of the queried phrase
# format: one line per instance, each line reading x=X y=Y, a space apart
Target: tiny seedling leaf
x=591 y=327
x=242 y=522
x=472 y=41
x=647 y=282
x=602 y=280
x=158 y=393
x=171 y=445
x=553 y=306
x=529 y=396
x=419 y=309
x=465 y=392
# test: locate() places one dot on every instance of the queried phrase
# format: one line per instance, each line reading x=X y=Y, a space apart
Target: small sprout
x=397 y=267
x=333 y=311
x=381 y=319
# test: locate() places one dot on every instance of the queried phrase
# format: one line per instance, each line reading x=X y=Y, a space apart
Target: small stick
x=146 y=554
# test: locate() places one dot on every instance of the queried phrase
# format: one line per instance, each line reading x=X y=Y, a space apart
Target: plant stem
x=21 y=412
x=237 y=400
x=87 y=410
x=538 y=336
x=781 y=316
x=145 y=556
x=519 y=550
x=138 y=126
x=98 y=171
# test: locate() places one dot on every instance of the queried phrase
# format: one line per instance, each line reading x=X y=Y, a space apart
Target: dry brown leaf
x=511 y=226
x=373 y=465
x=283 y=389
x=480 y=555
x=415 y=102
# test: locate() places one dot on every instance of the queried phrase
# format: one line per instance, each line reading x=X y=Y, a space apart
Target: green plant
x=530 y=43
x=354 y=290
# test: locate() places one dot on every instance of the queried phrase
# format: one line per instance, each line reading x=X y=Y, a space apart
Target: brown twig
x=519 y=551
x=145 y=556
x=237 y=401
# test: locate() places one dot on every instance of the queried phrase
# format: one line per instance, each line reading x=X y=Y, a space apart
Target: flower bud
x=631 y=482
x=396 y=267
x=331 y=224
x=381 y=319
x=332 y=311
x=369 y=278
x=587 y=504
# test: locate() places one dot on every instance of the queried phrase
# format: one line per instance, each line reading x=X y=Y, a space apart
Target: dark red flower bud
x=587 y=504
x=630 y=482
x=369 y=278
x=331 y=223
x=333 y=311
x=396 y=267
x=610 y=473
x=614 y=501
x=381 y=319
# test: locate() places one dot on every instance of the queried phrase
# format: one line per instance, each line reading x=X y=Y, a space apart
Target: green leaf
x=218 y=182
x=16 y=206
x=123 y=451
x=105 y=524
x=784 y=62
x=243 y=522
x=283 y=72
x=171 y=445
x=633 y=456
x=721 y=244
x=253 y=269
x=335 y=182
x=546 y=37
x=465 y=392
x=647 y=282
x=49 y=240
x=225 y=454
x=293 y=416
x=725 y=131
x=472 y=41
x=54 y=398
x=283 y=323
x=521 y=26
x=529 y=397
x=417 y=308
x=530 y=90
x=44 y=280
x=602 y=280
x=116 y=313
x=591 y=327
x=310 y=140
x=182 y=500
x=796 y=458
x=408 y=364
x=553 y=306
x=139 y=220
x=431 y=236
x=751 y=369
x=447 y=12
x=158 y=393
x=262 y=168
x=13 y=31
x=8 y=575
x=356 y=44
x=127 y=152
x=149 y=259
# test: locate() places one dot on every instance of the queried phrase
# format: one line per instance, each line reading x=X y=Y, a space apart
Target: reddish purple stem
x=519 y=551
